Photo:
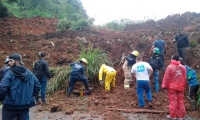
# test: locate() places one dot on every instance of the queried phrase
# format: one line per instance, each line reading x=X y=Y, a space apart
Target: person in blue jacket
x=17 y=90
x=192 y=82
x=77 y=74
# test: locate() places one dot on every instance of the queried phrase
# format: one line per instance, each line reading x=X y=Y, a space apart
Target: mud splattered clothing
x=77 y=74
x=129 y=62
x=110 y=74
x=141 y=71
x=176 y=106
x=175 y=81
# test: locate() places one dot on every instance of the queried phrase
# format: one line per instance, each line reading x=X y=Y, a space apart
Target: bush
x=60 y=75
x=3 y=10
x=80 y=24
x=63 y=24
x=193 y=43
x=95 y=57
x=60 y=79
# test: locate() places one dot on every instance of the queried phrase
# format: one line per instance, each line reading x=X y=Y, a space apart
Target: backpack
x=37 y=69
x=153 y=61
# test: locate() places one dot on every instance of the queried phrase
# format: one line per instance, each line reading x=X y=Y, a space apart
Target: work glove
x=101 y=82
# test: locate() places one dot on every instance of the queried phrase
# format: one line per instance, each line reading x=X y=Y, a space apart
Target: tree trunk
x=137 y=110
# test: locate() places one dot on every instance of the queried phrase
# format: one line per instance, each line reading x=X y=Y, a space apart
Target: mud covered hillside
x=29 y=36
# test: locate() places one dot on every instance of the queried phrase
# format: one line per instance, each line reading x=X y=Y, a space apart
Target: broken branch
x=137 y=110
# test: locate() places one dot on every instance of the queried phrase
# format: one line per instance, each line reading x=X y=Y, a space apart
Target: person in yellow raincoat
x=110 y=74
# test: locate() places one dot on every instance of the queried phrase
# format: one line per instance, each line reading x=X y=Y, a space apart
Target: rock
x=96 y=102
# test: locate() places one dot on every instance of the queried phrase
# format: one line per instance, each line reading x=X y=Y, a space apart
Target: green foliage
x=45 y=8
x=60 y=79
x=63 y=24
x=118 y=25
x=193 y=43
x=3 y=10
x=74 y=22
x=80 y=24
x=60 y=75
x=95 y=57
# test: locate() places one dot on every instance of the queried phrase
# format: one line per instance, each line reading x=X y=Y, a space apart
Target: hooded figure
x=18 y=88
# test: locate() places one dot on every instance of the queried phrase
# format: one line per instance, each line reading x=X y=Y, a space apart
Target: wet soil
x=29 y=36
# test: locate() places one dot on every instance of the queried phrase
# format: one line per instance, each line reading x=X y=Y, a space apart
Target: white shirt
x=141 y=70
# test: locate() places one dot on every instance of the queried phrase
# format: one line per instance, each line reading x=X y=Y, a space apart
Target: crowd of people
x=19 y=87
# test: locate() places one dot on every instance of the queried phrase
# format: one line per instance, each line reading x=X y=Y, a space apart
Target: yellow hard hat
x=84 y=60
x=136 y=53
x=103 y=65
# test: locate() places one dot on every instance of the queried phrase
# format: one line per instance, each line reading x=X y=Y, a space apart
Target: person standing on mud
x=142 y=71
x=110 y=74
x=44 y=77
x=182 y=44
x=18 y=87
x=193 y=84
x=175 y=82
x=78 y=74
x=156 y=63
x=129 y=62
x=159 y=43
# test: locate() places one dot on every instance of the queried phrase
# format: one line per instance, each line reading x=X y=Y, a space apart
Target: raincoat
x=110 y=74
x=175 y=82
x=191 y=76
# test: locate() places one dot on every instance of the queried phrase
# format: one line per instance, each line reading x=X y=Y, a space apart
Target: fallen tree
x=137 y=110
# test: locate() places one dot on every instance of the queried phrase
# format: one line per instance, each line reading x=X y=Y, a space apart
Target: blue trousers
x=74 y=79
x=156 y=79
x=43 y=83
x=142 y=86
x=11 y=114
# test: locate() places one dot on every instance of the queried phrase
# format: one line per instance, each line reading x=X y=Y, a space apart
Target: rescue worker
x=156 y=63
x=193 y=84
x=129 y=62
x=78 y=74
x=161 y=44
x=182 y=44
x=142 y=71
x=175 y=82
x=110 y=74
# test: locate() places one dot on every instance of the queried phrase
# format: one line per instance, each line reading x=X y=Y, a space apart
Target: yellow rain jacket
x=110 y=76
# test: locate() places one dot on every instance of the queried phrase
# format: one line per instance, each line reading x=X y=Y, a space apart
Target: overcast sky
x=105 y=11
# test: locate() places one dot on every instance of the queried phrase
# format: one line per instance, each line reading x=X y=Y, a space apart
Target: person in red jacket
x=175 y=82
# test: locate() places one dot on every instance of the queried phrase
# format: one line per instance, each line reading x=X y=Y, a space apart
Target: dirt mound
x=29 y=36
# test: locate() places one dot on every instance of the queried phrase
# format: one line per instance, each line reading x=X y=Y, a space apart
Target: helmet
x=6 y=60
x=103 y=65
x=84 y=60
x=156 y=51
x=136 y=53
